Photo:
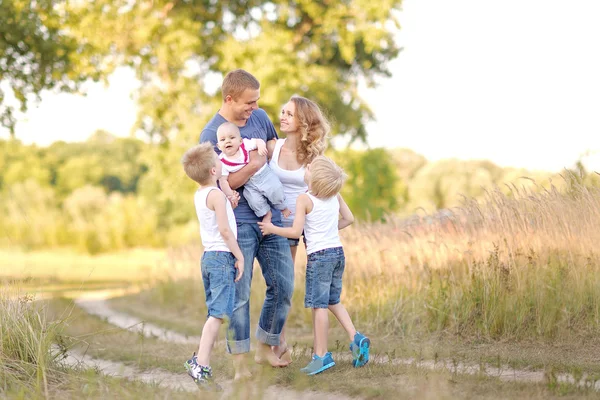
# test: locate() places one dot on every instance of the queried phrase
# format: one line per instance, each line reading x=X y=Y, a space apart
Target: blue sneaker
x=360 y=350
x=319 y=364
x=201 y=375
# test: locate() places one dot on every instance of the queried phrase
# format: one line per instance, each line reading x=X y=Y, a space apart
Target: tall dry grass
x=519 y=264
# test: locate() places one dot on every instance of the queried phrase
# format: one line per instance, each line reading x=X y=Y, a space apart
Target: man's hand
x=239 y=265
x=261 y=147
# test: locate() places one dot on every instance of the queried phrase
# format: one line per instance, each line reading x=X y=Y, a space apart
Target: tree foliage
x=111 y=193
x=37 y=53
x=320 y=49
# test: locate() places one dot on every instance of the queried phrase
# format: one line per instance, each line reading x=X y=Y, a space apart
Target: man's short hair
x=198 y=161
x=235 y=82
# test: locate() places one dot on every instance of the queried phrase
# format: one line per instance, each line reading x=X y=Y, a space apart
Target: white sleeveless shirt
x=321 y=226
x=292 y=181
x=209 y=229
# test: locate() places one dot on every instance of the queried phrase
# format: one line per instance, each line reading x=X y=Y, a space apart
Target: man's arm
x=239 y=178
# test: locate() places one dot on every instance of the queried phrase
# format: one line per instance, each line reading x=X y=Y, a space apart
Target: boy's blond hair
x=198 y=161
x=326 y=178
x=235 y=82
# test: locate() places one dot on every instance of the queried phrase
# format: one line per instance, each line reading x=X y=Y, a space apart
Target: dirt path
x=98 y=306
x=183 y=382
x=95 y=303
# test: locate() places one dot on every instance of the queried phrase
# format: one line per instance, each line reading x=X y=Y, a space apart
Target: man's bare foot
x=241 y=368
x=264 y=355
x=283 y=352
x=242 y=376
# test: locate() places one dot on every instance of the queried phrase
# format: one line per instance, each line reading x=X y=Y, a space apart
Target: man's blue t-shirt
x=257 y=126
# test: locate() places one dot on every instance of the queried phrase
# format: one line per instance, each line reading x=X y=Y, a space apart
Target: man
x=241 y=91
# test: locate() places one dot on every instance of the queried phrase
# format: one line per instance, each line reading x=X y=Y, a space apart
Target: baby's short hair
x=228 y=126
x=326 y=177
x=198 y=161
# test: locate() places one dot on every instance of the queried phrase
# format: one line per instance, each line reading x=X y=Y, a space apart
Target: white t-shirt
x=321 y=226
x=239 y=159
x=209 y=229
x=292 y=181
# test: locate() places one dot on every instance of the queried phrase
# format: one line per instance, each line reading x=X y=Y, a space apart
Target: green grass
x=136 y=265
x=30 y=370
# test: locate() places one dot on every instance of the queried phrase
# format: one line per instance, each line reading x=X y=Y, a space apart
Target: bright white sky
x=513 y=81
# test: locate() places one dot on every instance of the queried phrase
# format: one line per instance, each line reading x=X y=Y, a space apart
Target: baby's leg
x=256 y=200
x=267 y=217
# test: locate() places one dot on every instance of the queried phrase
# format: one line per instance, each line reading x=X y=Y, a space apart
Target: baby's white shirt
x=240 y=159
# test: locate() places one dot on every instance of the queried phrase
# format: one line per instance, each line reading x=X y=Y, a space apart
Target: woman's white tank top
x=209 y=229
x=321 y=226
x=292 y=181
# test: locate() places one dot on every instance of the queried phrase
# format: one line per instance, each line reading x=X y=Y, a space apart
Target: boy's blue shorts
x=324 y=272
x=218 y=275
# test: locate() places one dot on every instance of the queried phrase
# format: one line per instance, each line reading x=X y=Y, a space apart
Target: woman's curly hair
x=313 y=128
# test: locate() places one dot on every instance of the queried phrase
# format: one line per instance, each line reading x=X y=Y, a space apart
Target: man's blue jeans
x=275 y=260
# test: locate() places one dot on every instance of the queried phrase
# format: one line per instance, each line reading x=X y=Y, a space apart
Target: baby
x=263 y=185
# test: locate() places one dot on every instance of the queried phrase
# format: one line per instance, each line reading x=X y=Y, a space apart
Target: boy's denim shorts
x=296 y=242
x=324 y=272
x=218 y=275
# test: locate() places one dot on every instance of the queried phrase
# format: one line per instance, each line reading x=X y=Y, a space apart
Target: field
x=451 y=301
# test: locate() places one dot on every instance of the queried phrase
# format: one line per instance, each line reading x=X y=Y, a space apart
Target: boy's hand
x=239 y=265
x=286 y=212
x=266 y=227
x=261 y=147
x=234 y=198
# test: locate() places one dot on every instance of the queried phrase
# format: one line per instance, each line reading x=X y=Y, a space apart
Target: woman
x=306 y=130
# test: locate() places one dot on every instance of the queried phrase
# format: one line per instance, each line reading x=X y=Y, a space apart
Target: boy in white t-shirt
x=318 y=214
x=222 y=255
x=263 y=185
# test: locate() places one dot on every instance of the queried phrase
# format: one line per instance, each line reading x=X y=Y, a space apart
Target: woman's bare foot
x=264 y=355
x=283 y=352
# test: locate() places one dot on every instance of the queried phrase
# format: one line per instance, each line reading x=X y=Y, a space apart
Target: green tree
x=317 y=49
x=443 y=183
x=37 y=53
x=373 y=188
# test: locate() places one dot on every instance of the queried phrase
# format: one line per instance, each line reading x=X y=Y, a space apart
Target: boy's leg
x=278 y=271
x=321 y=327
x=209 y=337
x=340 y=313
